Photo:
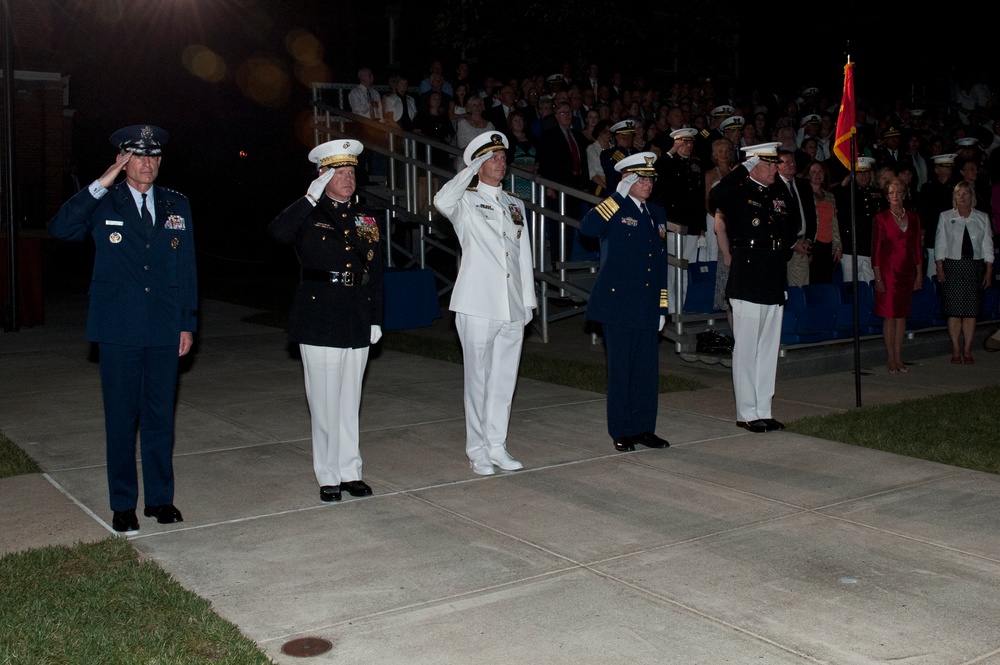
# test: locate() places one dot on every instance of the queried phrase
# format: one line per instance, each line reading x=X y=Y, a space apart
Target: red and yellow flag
x=845 y=120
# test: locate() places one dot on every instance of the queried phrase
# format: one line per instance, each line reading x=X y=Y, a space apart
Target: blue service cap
x=142 y=140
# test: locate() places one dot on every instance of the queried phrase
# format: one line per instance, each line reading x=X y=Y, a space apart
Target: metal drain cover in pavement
x=306 y=646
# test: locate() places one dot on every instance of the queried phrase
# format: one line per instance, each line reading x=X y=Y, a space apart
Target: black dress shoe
x=625 y=444
x=165 y=514
x=329 y=493
x=773 y=424
x=356 y=488
x=650 y=440
x=125 y=520
x=755 y=426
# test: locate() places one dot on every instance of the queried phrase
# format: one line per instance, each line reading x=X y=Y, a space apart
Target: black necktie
x=147 y=218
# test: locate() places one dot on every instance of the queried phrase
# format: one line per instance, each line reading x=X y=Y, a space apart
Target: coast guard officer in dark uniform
x=761 y=236
x=143 y=314
x=337 y=312
x=629 y=299
x=623 y=133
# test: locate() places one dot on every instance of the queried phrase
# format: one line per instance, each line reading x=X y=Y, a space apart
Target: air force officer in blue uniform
x=629 y=300
x=143 y=314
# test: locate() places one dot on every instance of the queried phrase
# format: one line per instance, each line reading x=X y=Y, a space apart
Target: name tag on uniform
x=485 y=206
x=113 y=222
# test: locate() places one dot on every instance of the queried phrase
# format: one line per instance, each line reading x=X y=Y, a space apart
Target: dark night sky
x=126 y=62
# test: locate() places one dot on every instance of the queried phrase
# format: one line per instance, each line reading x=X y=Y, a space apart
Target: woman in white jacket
x=963 y=254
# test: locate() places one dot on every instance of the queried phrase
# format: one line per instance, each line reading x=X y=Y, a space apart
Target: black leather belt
x=759 y=244
x=333 y=277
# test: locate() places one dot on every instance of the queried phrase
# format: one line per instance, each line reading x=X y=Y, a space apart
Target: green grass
x=14 y=461
x=101 y=603
x=959 y=429
x=560 y=371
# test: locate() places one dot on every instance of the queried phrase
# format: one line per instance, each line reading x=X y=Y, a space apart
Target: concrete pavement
x=726 y=547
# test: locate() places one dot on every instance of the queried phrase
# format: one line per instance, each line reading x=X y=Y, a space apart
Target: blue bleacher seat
x=700 y=296
x=845 y=312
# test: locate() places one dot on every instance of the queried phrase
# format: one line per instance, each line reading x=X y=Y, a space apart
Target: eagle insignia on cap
x=146 y=133
x=496 y=139
x=347 y=144
x=649 y=161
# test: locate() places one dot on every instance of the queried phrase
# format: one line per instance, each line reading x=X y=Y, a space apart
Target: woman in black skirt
x=963 y=252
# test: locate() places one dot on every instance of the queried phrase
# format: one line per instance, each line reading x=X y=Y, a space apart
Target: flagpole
x=854 y=274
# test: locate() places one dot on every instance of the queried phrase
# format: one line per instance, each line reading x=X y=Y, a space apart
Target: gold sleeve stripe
x=607 y=209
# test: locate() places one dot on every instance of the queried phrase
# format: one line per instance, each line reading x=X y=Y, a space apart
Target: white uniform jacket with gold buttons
x=496 y=276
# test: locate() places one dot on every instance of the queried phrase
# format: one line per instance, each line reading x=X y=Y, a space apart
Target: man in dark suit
x=801 y=215
x=498 y=113
x=143 y=314
x=562 y=157
x=629 y=300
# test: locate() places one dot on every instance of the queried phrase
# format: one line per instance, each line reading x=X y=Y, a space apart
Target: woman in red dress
x=896 y=261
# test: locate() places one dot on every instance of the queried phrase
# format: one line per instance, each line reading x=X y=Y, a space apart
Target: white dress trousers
x=491 y=353
x=333 y=389
x=757 y=331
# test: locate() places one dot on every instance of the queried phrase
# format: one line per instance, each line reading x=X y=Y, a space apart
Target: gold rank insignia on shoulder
x=704 y=133
x=617 y=156
x=115 y=238
x=607 y=208
x=174 y=242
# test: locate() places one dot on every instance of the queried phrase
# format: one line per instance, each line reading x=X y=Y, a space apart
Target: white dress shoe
x=500 y=457
x=482 y=466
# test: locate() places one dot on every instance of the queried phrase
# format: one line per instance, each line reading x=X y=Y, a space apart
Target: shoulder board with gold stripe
x=705 y=133
x=607 y=208
x=513 y=195
x=617 y=156
x=471 y=189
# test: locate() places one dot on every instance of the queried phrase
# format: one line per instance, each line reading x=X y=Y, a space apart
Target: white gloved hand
x=318 y=186
x=751 y=161
x=478 y=162
x=663 y=322
x=376 y=334
x=626 y=184
x=702 y=242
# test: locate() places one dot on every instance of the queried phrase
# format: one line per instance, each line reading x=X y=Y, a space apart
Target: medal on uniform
x=518 y=234
x=174 y=242
x=756 y=221
x=115 y=238
x=367 y=227
x=371 y=255
x=516 y=216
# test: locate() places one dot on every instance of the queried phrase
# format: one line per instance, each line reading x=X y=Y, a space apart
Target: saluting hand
x=626 y=184
x=109 y=176
x=318 y=186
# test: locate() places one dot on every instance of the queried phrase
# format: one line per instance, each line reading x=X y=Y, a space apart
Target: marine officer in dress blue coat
x=336 y=316
x=629 y=299
x=761 y=235
x=143 y=314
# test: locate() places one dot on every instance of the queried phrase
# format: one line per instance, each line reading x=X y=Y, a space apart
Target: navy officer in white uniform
x=493 y=298
x=337 y=311
x=143 y=315
x=629 y=299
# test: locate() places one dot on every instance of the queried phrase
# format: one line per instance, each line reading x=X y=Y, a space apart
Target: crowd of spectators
x=903 y=137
